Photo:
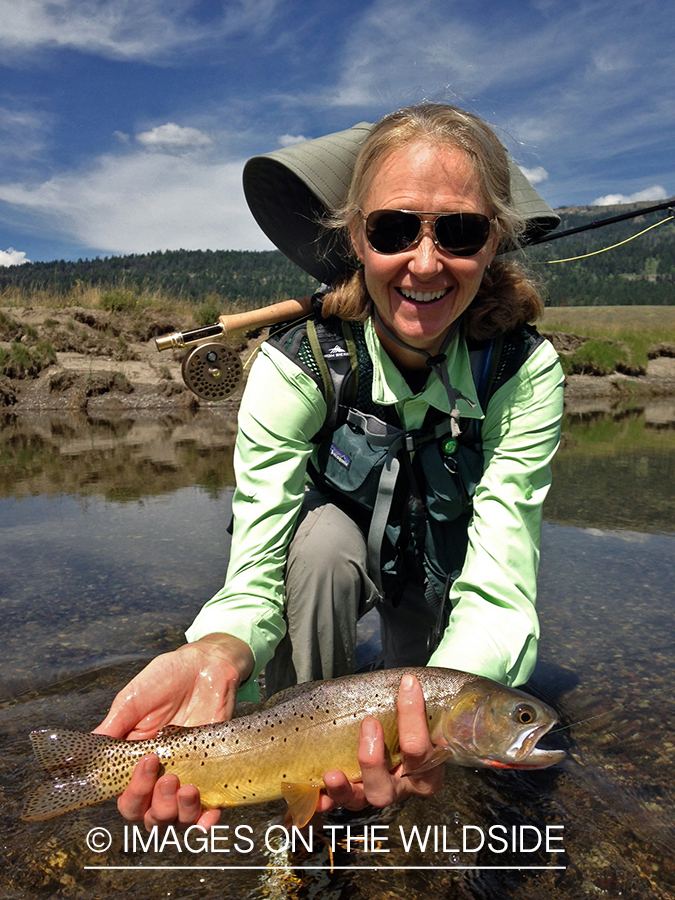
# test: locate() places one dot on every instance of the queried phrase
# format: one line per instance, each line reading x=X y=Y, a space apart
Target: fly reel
x=212 y=371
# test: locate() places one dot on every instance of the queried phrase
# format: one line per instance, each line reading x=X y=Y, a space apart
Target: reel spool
x=212 y=371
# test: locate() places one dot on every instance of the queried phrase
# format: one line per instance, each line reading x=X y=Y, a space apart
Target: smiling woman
x=393 y=453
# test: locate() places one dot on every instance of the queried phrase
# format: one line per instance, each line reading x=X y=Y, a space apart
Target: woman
x=428 y=478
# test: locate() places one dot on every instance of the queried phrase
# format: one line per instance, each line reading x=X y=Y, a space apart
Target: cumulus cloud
x=287 y=140
x=12 y=257
x=656 y=192
x=536 y=175
x=140 y=202
x=172 y=138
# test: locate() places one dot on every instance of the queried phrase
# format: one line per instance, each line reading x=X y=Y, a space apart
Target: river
x=114 y=533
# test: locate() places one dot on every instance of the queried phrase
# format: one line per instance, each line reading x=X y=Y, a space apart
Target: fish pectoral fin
x=440 y=755
x=302 y=800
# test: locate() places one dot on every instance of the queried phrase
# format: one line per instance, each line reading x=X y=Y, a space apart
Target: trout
x=285 y=749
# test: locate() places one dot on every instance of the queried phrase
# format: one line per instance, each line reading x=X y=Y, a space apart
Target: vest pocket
x=352 y=465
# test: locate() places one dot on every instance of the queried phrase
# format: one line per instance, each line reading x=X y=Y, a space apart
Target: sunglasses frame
x=428 y=218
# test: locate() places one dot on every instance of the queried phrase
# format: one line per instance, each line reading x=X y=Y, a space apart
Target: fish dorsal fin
x=440 y=755
x=302 y=800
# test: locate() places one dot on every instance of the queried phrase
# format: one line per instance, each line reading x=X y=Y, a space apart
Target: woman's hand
x=194 y=685
x=379 y=786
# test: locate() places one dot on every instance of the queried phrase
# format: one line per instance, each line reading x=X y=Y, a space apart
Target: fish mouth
x=529 y=756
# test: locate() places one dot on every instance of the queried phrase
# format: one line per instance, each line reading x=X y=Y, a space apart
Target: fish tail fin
x=87 y=769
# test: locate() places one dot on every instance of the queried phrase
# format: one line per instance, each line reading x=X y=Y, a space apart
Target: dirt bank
x=95 y=361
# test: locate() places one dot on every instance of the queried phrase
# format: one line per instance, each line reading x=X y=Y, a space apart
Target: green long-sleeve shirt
x=493 y=628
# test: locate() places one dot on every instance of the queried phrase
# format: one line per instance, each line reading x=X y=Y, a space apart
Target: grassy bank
x=620 y=338
x=117 y=300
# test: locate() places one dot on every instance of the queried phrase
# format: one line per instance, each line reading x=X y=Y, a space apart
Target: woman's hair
x=507 y=296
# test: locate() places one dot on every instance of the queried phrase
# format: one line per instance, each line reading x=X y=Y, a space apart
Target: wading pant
x=328 y=589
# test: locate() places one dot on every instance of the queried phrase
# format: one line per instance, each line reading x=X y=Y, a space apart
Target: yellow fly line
x=550 y=262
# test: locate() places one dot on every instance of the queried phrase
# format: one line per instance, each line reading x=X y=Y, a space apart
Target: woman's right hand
x=194 y=685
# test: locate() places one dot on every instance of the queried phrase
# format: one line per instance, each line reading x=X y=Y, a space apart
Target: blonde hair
x=507 y=295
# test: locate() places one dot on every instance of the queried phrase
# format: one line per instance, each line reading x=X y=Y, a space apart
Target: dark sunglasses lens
x=392 y=232
x=462 y=234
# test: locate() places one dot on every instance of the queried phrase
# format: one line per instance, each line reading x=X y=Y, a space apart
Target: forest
x=641 y=271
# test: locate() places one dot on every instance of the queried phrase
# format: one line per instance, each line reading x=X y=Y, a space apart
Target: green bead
x=449 y=446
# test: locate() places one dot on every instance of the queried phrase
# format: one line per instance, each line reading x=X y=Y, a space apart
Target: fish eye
x=525 y=714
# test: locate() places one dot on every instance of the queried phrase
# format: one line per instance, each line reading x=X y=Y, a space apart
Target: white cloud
x=141 y=202
x=12 y=257
x=656 y=192
x=124 y=29
x=173 y=138
x=536 y=175
x=287 y=140
x=22 y=133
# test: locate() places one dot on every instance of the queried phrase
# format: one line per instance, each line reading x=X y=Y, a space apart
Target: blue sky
x=125 y=124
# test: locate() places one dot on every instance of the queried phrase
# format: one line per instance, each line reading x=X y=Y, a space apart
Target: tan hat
x=289 y=190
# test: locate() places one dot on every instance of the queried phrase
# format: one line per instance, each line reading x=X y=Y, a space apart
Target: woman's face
x=421 y=291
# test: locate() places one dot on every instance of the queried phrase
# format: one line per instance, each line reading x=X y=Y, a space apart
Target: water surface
x=113 y=533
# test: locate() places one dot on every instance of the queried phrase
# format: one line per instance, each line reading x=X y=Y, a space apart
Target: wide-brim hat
x=290 y=190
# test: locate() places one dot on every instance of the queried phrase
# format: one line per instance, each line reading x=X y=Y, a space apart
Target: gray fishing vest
x=410 y=491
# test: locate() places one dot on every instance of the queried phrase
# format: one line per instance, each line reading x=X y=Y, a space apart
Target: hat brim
x=289 y=192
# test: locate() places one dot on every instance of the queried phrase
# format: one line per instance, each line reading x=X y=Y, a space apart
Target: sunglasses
x=397 y=230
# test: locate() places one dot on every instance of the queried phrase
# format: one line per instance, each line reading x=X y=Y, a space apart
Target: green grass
x=23 y=361
x=634 y=331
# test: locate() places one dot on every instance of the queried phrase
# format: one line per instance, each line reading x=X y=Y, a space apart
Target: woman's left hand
x=379 y=786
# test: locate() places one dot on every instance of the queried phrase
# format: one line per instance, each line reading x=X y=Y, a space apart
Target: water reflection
x=113 y=534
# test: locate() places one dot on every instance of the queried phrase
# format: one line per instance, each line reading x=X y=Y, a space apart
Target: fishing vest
x=411 y=492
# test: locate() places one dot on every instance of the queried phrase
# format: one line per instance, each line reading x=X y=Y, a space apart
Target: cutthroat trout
x=284 y=750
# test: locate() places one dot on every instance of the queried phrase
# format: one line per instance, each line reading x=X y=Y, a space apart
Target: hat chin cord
x=437 y=366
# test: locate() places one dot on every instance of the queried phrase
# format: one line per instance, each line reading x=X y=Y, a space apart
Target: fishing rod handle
x=285 y=311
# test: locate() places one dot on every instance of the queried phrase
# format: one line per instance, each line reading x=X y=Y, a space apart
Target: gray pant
x=328 y=589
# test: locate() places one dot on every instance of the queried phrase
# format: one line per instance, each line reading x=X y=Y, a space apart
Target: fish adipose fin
x=302 y=801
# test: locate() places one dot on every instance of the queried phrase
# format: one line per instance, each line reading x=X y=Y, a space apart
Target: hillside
x=640 y=272
x=243 y=277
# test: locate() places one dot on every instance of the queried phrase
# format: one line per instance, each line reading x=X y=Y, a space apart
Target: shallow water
x=114 y=533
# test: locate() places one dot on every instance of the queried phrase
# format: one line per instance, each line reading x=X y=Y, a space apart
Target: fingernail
x=368 y=729
x=407 y=683
x=150 y=765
